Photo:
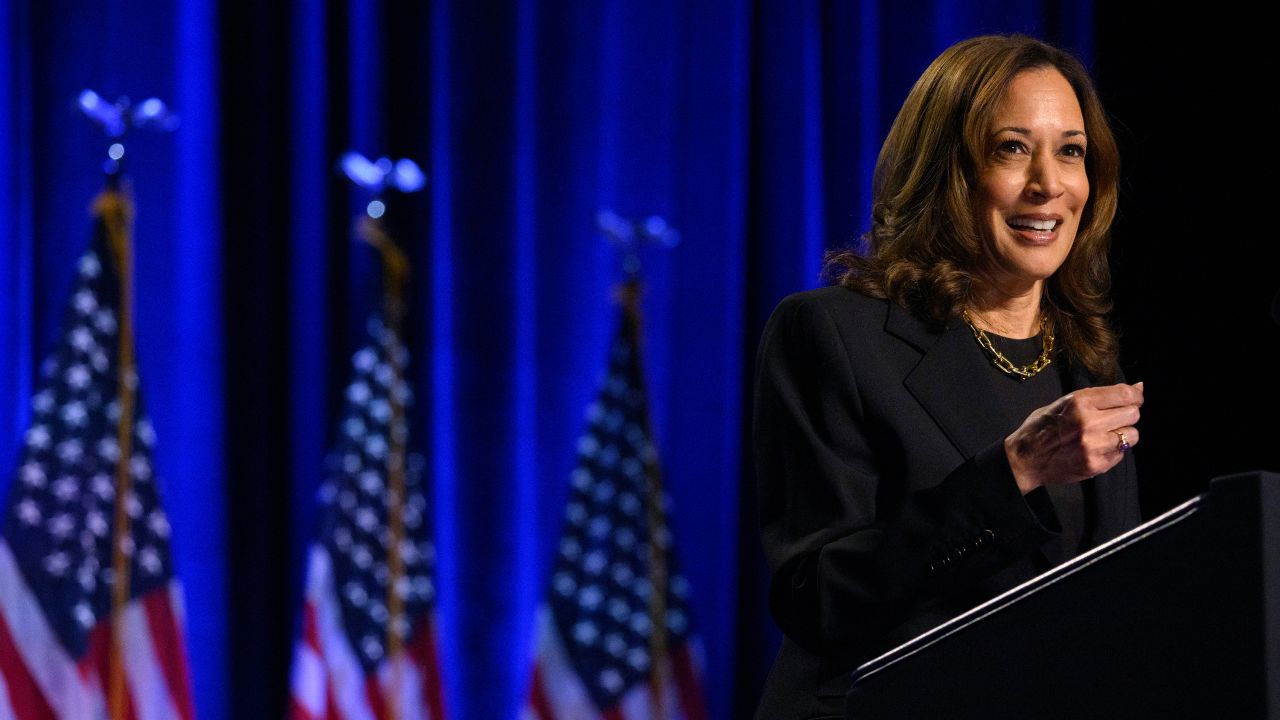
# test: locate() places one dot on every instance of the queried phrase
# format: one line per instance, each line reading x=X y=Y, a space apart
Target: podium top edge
x=1042 y=581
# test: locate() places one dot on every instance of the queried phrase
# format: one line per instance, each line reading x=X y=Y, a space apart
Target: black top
x=1019 y=398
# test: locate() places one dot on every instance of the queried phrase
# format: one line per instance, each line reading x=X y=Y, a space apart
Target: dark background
x=1195 y=274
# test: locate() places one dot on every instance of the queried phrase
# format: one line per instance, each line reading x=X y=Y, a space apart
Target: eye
x=1074 y=150
x=1011 y=146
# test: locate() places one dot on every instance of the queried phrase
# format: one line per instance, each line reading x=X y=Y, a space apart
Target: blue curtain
x=751 y=127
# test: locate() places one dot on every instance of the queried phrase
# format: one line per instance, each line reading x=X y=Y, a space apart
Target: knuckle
x=1073 y=414
x=1084 y=451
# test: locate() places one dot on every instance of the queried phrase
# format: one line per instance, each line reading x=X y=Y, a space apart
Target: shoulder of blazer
x=837 y=300
x=852 y=312
x=857 y=314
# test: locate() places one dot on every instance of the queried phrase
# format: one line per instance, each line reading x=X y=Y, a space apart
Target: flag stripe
x=538 y=697
x=6 y=710
x=310 y=686
x=168 y=647
x=96 y=651
x=641 y=703
x=310 y=633
x=144 y=677
x=331 y=709
x=558 y=693
x=687 y=685
x=426 y=655
x=298 y=712
x=405 y=673
x=102 y=668
x=562 y=690
x=373 y=695
x=638 y=704
x=24 y=695
x=37 y=647
x=345 y=674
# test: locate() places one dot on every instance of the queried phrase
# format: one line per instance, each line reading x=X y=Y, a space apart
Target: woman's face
x=1032 y=185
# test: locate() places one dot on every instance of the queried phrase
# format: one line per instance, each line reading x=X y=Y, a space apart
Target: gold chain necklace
x=1003 y=363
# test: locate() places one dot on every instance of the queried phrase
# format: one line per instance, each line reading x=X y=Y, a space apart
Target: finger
x=1111 y=396
x=1115 y=418
x=1102 y=451
x=1132 y=434
x=1122 y=439
x=1080 y=418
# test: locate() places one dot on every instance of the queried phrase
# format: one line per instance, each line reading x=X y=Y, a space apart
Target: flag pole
x=116 y=214
x=114 y=210
x=402 y=176
x=395 y=273
x=629 y=235
x=659 y=538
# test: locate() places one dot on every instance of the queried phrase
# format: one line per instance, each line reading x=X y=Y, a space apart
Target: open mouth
x=1033 y=225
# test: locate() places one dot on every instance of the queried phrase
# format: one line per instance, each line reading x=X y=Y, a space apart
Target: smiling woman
x=1031 y=189
x=939 y=427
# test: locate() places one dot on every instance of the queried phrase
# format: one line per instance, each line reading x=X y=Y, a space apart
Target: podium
x=1178 y=618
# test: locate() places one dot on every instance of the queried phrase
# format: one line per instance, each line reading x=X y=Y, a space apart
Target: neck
x=1011 y=314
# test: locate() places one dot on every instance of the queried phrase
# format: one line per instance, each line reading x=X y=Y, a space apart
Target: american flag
x=56 y=563
x=365 y=652
x=613 y=636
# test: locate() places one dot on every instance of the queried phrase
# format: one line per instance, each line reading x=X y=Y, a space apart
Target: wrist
x=1022 y=473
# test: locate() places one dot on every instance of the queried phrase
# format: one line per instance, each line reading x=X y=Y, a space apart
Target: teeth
x=1034 y=224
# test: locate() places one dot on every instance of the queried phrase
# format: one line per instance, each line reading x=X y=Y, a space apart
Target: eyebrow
x=1025 y=131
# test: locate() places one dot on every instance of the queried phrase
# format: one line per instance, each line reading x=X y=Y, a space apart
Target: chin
x=1037 y=265
x=1038 y=273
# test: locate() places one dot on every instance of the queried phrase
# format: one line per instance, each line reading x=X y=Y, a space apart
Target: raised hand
x=1079 y=435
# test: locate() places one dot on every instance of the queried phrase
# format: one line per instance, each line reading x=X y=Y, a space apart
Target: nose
x=1044 y=179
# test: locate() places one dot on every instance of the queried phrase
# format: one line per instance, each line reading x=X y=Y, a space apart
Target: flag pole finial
x=116 y=119
x=376 y=178
x=630 y=235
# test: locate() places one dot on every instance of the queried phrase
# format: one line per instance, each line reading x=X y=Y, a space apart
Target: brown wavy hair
x=926 y=247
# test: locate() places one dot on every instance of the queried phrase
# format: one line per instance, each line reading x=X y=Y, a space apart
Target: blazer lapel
x=952 y=381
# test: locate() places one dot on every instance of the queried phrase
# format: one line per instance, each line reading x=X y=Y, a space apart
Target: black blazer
x=887 y=505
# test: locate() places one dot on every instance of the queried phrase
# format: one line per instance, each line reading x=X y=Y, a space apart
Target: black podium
x=1179 y=618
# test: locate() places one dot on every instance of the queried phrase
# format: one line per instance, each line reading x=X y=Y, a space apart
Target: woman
x=947 y=422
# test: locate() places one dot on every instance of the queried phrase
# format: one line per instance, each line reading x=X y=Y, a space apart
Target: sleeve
x=843 y=577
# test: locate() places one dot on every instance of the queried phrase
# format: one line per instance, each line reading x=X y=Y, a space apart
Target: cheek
x=994 y=197
x=1008 y=192
x=1082 y=189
